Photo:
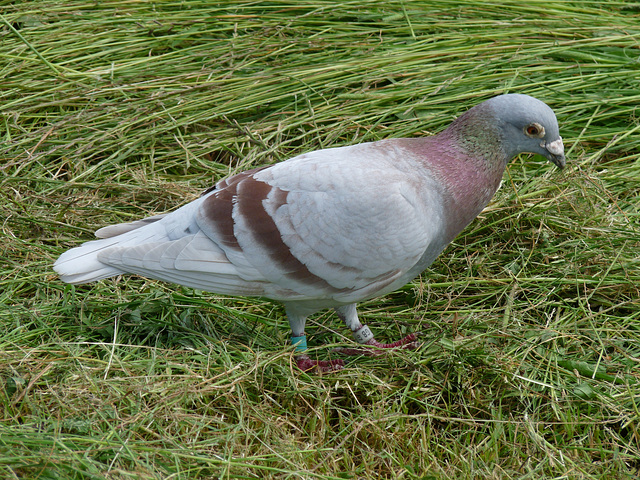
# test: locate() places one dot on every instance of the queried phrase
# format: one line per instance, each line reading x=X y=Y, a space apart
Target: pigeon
x=332 y=227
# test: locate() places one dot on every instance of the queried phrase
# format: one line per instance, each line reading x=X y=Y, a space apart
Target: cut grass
x=530 y=320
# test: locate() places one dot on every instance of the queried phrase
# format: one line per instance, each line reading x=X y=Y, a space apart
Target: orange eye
x=534 y=130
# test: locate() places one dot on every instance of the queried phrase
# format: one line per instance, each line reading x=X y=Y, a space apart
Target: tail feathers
x=81 y=264
x=120 y=228
x=224 y=284
x=194 y=261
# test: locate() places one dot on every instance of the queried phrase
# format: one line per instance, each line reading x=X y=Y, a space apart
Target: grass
x=530 y=320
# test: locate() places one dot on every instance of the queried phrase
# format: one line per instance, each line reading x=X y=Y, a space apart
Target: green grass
x=530 y=320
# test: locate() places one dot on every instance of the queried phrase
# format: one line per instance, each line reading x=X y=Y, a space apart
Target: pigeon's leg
x=363 y=334
x=297 y=322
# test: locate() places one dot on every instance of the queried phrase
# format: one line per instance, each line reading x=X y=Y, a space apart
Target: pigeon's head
x=527 y=125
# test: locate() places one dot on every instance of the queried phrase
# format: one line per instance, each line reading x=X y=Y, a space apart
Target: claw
x=409 y=339
x=306 y=364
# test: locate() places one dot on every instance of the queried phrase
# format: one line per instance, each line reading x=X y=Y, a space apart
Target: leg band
x=363 y=334
x=300 y=343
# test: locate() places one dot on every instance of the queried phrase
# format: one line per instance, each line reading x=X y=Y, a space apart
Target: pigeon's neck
x=477 y=137
x=467 y=160
x=470 y=164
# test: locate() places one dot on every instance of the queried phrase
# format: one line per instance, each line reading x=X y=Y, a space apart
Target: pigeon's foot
x=307 y=364
x=409 y=343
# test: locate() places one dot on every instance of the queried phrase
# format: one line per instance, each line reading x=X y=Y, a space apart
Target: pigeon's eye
x=534 y=130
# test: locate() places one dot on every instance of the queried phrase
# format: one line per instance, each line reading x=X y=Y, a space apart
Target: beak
x=556 y=152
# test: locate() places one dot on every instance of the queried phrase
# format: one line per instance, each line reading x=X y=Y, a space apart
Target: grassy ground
x=114 y=110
